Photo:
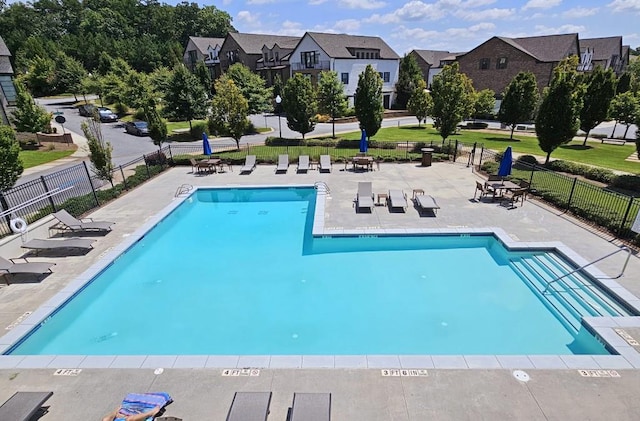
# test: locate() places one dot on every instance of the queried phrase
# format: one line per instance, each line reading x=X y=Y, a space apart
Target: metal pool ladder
x=624 y=267
x=183 y=190
x=321 y=186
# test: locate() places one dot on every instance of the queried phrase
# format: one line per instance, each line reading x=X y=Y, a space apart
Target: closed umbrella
x=505 y=163
x=205 y=144
x=363 y=142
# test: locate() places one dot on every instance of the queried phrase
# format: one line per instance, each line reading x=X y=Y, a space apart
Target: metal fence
x=601 y=207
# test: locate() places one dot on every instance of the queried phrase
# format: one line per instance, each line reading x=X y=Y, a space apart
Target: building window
x=309 y=59
x=277 y=56
x=385 y=76
x=193 y=57
x=232 y=56
x=345 y=78
x=502 y=63
x=485 y=63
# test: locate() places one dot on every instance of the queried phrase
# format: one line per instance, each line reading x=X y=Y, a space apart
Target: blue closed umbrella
x=505 y=163
x=363 y=142
x=205 y=144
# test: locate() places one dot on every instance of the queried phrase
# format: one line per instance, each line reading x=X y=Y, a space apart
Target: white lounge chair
x=69 y=223
x=398 y=199
x=364 y=197
x=249 y=164
x=310 y=407
x=303 y=163
x=425 y=202
x=22 y=406
x=283 y=163
x=325 y=163
x=249 y=406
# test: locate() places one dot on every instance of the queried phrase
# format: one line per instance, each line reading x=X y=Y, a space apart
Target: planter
x=54 y=137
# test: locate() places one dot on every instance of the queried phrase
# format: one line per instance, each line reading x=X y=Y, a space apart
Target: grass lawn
x=33 y=158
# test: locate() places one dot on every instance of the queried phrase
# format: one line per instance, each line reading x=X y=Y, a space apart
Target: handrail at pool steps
x=183 y=190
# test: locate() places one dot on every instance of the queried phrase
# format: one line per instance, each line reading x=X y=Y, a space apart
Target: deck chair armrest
x=13 y=260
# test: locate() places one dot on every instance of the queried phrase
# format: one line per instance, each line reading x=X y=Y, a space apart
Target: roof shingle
x=336 y=45
x=253 y=43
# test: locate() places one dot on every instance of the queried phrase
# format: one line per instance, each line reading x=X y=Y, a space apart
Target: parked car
x=106 y=115
x=87 y=110
x=138 y=128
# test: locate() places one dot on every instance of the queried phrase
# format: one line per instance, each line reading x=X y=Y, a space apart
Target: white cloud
x=625 y=6
x=316 y=2
x=579 y=12
x=248 y=18
x=347 y=25
x=226 y=2
x=260 y=1
x=541 y=4
x=487 y=14
x=563 y=29
x=476 y=3
x=361 y=4
x=412 y=11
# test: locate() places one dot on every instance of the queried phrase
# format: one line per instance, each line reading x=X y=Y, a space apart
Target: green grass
x=34 y=158
x=181 y=125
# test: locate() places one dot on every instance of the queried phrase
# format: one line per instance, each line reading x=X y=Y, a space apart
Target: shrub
x=351 y=112
x=156 y=158
x=276 y=141
x=139 y=115
x=250 y=129
x=476 y=125
x=121 y=109
x=198 y=128
x=322 y=118
x=527 y=159
x=417 y=147
x=627 y=182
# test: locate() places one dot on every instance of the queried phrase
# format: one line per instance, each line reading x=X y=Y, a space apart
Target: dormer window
x=502 y=63
x=485 y=63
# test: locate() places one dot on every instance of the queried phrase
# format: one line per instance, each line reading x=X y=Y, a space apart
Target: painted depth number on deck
x=238 y=372
x=403 y=373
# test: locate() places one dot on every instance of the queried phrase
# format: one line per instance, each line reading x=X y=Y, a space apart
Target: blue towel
x=139 y=403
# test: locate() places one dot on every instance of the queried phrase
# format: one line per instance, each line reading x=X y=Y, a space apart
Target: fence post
x=46 y=189
x=124 y=180
x=146 y=164
x=95 y=195
x=472 y=155
x=481 y=154
x=170 y=155
x=455 y=150
x=626 y=215
x=5 y=206
x=573 y=187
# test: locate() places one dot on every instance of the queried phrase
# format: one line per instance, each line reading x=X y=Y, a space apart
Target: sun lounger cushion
x=138 y=403
x=303 y=163
x=397 y=199
x=426 y=202
x=249 y=164
x=364 y=198
x=249 y=406
x=52 y=244
x=311 y=407
x=22 y=406
x=325 y=163
x=283 y=163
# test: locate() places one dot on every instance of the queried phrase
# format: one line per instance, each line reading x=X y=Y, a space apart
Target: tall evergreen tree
x=10 y=164
x=519 y=100
x=331 y=97
x=300 y=104
x=600 y=88
x=185 y=98
x=409 y=75
x=452 y=94
x=28 y=116
x=420 y=104
x=229 y=110
x=368 y=101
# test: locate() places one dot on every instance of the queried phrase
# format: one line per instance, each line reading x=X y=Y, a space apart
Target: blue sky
x=452 y=25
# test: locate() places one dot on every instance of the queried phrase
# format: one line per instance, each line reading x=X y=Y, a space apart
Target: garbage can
x=426 y=156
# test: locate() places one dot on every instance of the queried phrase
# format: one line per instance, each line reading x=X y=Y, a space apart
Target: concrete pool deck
x=357 y=394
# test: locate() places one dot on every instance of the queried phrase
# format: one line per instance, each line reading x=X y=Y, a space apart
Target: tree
x=41 y=76
x=483 y=103
x=229 y=110
x=28 y=116
x=634 y=72
x=452 y=99
x=519 y=100
x=185 y=98
x=99 y=150
x=157 y=126
x=138 y=92
x=252 y=86
x=331 y=97
x=368 y=101
x=624 y=83
x=420 y=104
x=10 y=164
x=69 y=75
x=623 y=109
x=299 y=102
x=599 y=91
x=409 y=75
x=204 y=76
x=558 y=118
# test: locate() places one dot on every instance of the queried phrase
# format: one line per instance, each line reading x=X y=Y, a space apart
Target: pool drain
x=521 y=376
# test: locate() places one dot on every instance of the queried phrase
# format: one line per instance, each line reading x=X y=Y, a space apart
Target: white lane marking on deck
x=19 y=320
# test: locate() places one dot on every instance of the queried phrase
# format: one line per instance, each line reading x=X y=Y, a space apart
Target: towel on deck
x=139 y=403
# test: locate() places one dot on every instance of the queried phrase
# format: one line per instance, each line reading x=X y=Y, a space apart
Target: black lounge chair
x=310 y=407
x=69 y=223
x=249 y=406
x=38 y=244
x=22 y=406
x=9 y=267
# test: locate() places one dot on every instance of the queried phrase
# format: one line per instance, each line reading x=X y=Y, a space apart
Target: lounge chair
x=10 y=267
x=22 y=406
x=398 y=199
x=283 y=163
x=325 y=163
x=425 y=202
x=310 y=407
x=68 y=223
x=303 y=163
x=249 y=406
x=249 y=164
x=364 y=197
x=59 y=244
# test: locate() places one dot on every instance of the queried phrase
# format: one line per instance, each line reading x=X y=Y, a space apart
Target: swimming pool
x=238 y=272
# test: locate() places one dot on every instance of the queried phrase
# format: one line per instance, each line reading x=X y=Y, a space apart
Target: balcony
x=321 y=65
x=271 y=64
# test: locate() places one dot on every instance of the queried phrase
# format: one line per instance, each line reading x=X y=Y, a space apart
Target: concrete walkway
x=357 y=394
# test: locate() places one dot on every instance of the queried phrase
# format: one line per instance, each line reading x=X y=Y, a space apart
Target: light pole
x=278 y=101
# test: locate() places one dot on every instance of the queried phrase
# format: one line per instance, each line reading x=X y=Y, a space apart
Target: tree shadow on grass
x=502 y=139
x=413 y=128
x=576 y=147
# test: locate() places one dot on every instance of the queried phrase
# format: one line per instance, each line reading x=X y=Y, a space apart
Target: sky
x=450 y=25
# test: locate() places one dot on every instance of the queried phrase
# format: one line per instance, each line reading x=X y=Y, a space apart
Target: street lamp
x=278 y=101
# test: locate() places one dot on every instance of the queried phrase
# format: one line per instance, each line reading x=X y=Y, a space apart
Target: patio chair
x=283 y=163
x=68 y=223
x=22 y=406
x=249 y=164
x=325 y=163
x=364 y=196
x=197 y=167
x=303 y=163
x=249 y=406
x=516 y=196
x=39 y=244
x=484 y=190
x=310 y=407
x=397 y=199
x=425 y=202
x=10 y=267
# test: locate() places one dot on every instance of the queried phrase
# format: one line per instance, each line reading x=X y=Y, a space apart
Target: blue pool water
x=237 y=272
